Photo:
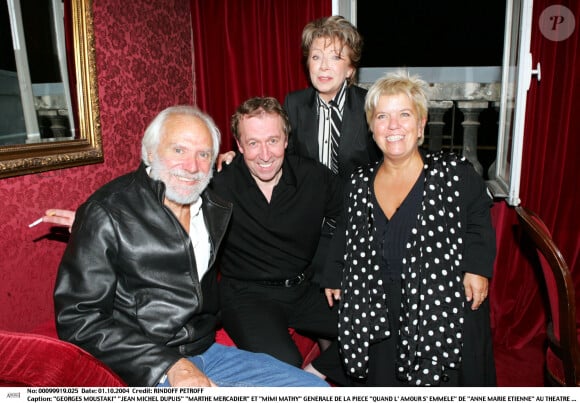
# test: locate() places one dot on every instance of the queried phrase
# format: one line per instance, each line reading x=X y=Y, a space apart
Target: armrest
x=35 y=360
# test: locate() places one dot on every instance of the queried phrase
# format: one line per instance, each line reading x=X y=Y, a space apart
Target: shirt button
x=445 y=378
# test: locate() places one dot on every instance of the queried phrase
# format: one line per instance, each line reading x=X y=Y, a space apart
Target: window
x=475 y=55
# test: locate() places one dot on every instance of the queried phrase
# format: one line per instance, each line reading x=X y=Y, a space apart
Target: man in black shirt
x=281 y=205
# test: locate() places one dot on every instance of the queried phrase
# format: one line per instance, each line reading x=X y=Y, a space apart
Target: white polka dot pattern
x=430 y=325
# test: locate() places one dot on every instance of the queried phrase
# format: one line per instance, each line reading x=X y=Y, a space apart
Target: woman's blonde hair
x=396 y=83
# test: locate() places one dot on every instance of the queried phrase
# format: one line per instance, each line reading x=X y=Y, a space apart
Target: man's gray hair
x=154 y=131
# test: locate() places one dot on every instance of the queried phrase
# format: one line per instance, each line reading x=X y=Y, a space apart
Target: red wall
x=144 y=64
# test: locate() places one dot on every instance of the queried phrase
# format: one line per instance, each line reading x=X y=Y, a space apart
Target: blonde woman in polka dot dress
x=411 y=260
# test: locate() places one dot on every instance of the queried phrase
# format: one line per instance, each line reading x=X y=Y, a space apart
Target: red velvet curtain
x=549 y=186
x=248 y=48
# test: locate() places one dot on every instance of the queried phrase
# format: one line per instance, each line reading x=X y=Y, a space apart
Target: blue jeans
x=230 y=366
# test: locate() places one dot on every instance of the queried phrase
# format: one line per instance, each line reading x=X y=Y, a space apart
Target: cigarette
x=35 y=223
x=38 y=221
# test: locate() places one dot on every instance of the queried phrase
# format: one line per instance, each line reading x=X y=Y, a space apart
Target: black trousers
x=257 y=318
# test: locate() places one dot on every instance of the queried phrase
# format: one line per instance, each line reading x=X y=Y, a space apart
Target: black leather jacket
x=127 y=289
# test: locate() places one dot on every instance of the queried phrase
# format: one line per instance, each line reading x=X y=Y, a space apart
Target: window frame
x=516 y=72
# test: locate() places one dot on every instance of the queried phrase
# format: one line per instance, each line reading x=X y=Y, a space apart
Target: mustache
x=188 y=175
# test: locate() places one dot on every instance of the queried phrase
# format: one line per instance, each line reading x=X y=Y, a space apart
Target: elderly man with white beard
x=137 y=286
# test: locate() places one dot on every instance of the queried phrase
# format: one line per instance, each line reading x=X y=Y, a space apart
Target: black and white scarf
x=430 y=324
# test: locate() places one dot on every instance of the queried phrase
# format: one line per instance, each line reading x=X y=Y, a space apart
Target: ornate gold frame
x=31 y=158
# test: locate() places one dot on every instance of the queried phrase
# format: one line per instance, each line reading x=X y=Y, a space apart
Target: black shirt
x=276 y=240
x=393 y=234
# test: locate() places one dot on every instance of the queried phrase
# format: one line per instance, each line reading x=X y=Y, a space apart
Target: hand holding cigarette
x=59 y=217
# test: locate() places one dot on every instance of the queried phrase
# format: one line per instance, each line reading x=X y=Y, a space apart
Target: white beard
x=160 y=172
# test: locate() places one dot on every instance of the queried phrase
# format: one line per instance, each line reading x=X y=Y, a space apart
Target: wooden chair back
x=562 y=357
